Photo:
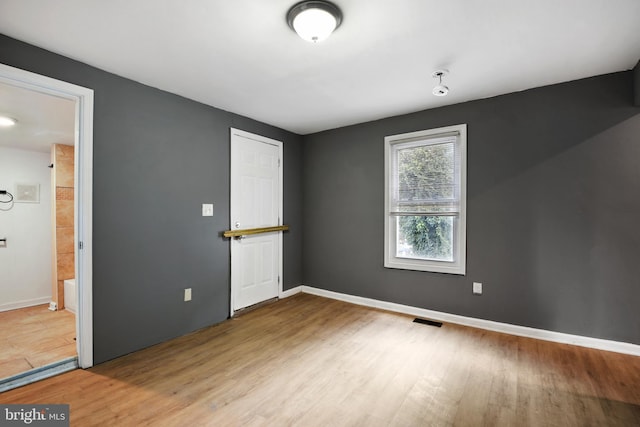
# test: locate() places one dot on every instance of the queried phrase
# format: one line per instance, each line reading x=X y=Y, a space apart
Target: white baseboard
x=25 y=303
x=523 y=331
x=291 y=292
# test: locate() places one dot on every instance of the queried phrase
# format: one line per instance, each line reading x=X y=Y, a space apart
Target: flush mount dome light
x=314 y=21
x=6 y=122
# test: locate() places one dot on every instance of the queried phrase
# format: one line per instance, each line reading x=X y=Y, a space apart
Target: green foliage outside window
x=426 y=178
x=428 y=236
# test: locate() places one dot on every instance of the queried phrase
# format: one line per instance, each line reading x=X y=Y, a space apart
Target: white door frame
x=83 y=193
x=241 y=133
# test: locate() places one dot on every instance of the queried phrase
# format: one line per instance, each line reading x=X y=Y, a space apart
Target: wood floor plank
x=310 y=361
x=15 y=364
x=476 y=394
x=501 y=406
x=36 y=335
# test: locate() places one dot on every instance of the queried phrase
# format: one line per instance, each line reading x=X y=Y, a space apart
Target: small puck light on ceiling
x=7 y=122
x=314 y=21
x=440 y=90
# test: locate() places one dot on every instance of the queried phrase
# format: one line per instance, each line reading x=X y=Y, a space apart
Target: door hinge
x=80 y=245
x=278 y=162
x=278 y=279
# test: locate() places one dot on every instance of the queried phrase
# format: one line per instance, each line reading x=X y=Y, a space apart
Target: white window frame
x=458 y=265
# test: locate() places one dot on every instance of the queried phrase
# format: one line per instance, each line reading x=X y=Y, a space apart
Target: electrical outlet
x=477 y=288
x=187 y=294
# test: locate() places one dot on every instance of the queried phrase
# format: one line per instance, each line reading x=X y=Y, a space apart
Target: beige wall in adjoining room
x=63 y=263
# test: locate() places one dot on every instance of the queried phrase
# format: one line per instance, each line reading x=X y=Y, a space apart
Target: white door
x=256 y=202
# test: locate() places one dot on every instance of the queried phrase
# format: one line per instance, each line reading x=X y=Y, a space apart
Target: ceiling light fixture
x=440 y=90
x=314 y=21
x=6 y=122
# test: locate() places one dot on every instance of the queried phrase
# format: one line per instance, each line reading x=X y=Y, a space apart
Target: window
x=425 y=200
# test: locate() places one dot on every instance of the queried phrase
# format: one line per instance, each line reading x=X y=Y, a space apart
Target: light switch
x=207 y=209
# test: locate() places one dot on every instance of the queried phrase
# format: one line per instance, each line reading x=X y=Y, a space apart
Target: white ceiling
x=242 y=57
x=42 y=119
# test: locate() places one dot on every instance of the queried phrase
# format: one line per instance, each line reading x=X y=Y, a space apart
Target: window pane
x=426 y=177
x=425 y=237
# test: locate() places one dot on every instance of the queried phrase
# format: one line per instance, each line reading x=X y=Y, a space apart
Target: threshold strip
x=37 y=374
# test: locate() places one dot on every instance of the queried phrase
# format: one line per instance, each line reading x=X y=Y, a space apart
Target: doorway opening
x=69 y=243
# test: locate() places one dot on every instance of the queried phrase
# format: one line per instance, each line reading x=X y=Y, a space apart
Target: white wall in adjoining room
x=25 y=259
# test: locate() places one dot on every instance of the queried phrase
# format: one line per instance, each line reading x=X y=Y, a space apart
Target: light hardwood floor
x=33 y=337
x=310 y=361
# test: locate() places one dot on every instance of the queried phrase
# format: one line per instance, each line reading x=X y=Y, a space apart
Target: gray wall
x=553 y=208
x=636 y=78
x=157 y=158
